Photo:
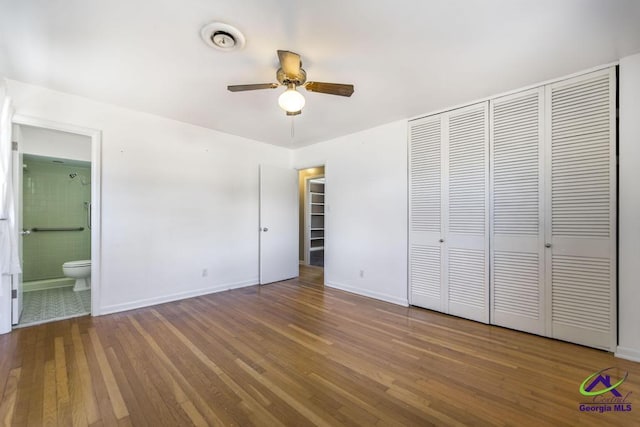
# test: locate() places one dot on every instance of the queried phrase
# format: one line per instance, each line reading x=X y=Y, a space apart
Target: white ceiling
x=405 y=58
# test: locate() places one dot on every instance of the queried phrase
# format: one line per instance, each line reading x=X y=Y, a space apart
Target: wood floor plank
x=49 y=407
x=76 y=393
x=85 y=396
x=119 y=407
x=295 y=353
x=62 y=386
x=35 y=391
x=137 y=414
x=9 y=396
x=105 y=407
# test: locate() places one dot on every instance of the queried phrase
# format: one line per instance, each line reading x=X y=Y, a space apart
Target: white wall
x=366 y=210
x=176 y=199
x=3 y=90
x=53 y=143
x=629 y=210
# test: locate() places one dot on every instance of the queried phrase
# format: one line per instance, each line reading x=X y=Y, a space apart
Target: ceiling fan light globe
x=291 y=100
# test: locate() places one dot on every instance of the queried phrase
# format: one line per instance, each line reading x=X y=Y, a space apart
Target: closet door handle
x=441 y=240
x=547 y=245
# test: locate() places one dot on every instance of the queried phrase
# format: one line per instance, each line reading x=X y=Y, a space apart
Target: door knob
x=441 y=240
x=265 y=229
x=547 y=245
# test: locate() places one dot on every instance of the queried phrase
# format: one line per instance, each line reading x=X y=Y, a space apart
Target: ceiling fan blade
x=240 y=88
x=290 y=63
x=330 y=88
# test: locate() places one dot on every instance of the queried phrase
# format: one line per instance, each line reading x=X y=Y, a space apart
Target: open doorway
x=56 y=180
x=54 y=209
x=312 y=223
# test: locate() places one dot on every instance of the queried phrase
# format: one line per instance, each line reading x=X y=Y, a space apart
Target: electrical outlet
x=205 y=272
x=361 y=273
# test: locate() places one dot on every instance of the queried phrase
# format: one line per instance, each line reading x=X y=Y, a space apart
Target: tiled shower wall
x=52 y=199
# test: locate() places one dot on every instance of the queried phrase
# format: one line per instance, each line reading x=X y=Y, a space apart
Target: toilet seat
x=81 y=263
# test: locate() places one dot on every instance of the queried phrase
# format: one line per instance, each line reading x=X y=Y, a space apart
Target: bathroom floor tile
x=54 y=304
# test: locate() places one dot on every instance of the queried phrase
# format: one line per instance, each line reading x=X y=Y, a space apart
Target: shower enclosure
x=55 y=220
x=56 y=215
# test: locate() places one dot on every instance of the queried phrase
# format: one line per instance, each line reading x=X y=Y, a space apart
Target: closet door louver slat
x=425 y=217
x=582 y=209
x=517 y=235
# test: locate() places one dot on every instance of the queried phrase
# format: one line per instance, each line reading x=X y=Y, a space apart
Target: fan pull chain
x=292 y=127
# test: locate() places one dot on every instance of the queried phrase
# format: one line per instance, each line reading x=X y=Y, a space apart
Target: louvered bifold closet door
x=466 y=224
x=425 y=213
x=581 y=205
x=517 y=210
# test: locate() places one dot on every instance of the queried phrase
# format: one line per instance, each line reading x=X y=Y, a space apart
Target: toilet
x=79 y=270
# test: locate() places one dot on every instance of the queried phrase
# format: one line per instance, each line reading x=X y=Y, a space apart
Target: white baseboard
x=174 y=297
x=370 y=294
x=628 y=353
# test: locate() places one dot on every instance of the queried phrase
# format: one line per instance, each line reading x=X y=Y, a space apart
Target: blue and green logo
x=587 y=386
x=604 y=393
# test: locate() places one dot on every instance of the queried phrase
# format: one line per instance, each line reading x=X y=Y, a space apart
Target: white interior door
x=517 y=211
x=279 y=218
x=581 y=191
x=467 y=212
x=16 y=279
x=425 y=216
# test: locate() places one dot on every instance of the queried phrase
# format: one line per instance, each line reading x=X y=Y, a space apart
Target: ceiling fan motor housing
x=299 y=80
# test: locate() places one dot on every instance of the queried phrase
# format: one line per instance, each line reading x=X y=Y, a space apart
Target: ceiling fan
x=292 y=75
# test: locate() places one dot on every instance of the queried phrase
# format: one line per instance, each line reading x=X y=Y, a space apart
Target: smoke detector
x=222 y=36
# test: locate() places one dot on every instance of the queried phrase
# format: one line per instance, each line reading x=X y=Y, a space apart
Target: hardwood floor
x=295 y=353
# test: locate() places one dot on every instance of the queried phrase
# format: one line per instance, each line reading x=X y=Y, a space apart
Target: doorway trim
x=96 y=195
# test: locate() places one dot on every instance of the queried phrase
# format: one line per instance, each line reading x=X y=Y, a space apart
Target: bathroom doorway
x=53 y=173
x=312 y=216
